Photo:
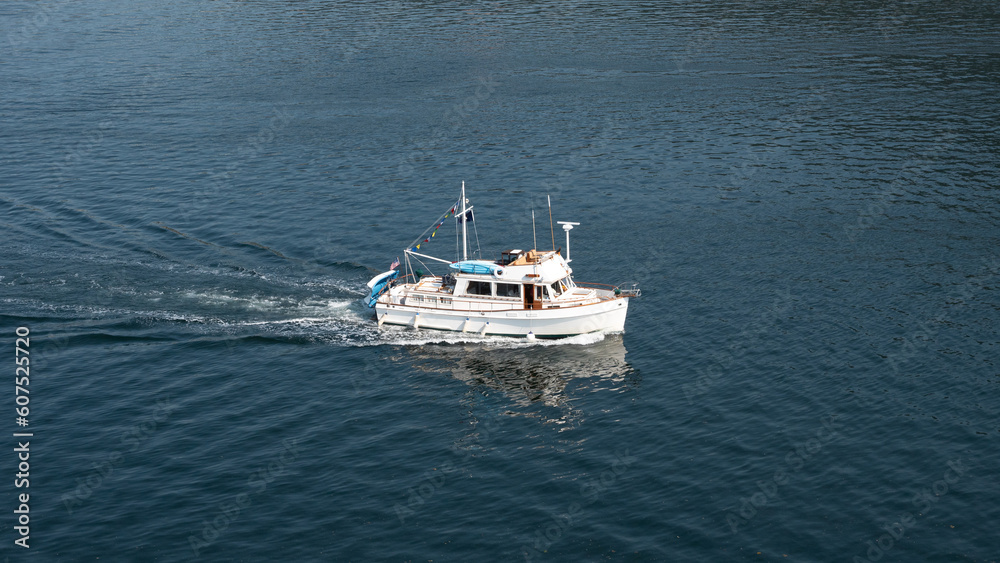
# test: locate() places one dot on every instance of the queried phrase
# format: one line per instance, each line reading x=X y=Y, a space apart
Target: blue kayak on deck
x=475 y=267
x=379 y=284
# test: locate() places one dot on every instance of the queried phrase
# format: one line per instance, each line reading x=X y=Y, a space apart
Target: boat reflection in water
x=533 y=374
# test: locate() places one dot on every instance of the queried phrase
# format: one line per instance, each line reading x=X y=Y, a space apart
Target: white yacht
x=527 y=293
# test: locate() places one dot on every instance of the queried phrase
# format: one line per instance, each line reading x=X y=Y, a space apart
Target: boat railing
x=462 y=305
x=619 y=290
x=595 y=285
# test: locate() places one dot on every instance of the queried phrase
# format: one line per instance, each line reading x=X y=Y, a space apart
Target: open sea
x=193 y=195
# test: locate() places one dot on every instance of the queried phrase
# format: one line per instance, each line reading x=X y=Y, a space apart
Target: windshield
x=561 y=286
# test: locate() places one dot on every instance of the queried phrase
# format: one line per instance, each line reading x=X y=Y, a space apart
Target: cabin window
x=446 y=301
x=539 y=292
x=479 y=288
x=561 y=286
x=509 y=290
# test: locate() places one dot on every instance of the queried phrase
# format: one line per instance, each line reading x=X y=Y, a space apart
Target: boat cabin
x=519 y=280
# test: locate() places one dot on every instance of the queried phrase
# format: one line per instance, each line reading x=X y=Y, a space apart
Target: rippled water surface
x=194 y=194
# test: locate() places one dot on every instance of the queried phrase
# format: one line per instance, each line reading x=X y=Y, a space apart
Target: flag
x=395 y=264
x=468 y=217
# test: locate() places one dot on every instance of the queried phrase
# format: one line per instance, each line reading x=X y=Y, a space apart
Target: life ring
x=498 y=272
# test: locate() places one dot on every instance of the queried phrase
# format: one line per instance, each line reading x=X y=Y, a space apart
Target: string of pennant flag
x=451 y=212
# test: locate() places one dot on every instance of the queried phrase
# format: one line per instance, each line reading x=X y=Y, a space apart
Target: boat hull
x=605 y=316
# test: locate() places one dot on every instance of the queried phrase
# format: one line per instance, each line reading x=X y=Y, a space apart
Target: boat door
x=532 y=296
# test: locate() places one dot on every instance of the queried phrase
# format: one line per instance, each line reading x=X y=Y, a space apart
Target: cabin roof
x=529 y=267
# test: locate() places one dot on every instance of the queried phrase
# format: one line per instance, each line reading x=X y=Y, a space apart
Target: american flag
x=395 y=264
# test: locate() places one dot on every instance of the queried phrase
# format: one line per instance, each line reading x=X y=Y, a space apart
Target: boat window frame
x=543 y=290
x=565 y=284
x=469 y=285
x=496 y=290
x=559 y=287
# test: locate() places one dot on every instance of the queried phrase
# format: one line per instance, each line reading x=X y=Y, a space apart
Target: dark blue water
x=193 y=195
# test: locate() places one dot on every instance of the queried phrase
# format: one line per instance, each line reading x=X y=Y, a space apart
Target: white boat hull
x=606 y=316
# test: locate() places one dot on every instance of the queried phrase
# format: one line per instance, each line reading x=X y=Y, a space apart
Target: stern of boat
x=379 y=285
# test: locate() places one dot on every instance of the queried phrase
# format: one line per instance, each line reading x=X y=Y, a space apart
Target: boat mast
x=534 y=239
x=465 y=225
x=551 y=230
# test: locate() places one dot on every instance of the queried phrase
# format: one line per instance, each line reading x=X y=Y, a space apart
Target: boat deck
x=431 y=292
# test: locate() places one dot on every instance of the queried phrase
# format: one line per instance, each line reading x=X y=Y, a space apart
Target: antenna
x=534 y=240
x=567 y=226
x=551 y=230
